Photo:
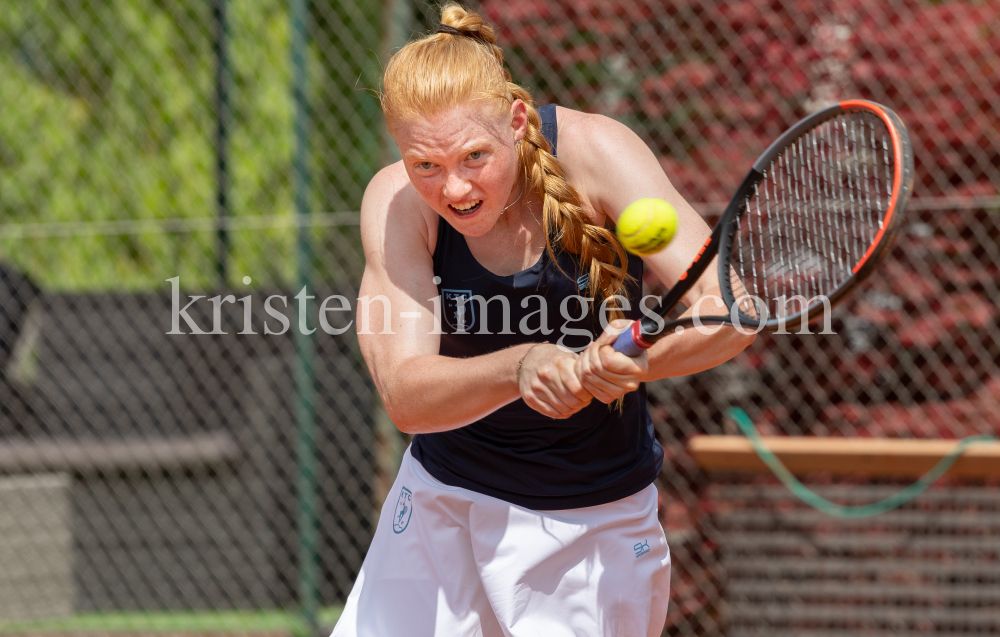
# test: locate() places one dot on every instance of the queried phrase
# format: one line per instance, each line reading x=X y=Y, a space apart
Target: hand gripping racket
x=812 y=219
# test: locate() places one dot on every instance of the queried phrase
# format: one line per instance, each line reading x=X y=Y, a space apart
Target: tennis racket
x=813 y=218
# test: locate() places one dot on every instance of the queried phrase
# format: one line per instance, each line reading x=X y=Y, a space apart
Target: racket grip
x=630 y=342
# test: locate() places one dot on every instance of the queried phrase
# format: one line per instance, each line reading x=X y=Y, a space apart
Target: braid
x=565 y=221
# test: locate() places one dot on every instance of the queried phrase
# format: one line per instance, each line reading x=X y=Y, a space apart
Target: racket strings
x=816 y=202
x=814 y=214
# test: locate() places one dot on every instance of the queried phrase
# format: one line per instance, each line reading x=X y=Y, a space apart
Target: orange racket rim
x=898 y=184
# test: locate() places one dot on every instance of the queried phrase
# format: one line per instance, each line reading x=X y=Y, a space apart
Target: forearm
x=695 y=350
x=432 y=393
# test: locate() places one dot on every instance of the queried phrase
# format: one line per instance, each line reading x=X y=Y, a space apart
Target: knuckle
x=540 y=407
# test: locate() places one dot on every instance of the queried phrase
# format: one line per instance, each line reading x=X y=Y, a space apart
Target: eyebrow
x=465 y=150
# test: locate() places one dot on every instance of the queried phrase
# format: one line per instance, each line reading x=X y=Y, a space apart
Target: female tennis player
x=523 y=506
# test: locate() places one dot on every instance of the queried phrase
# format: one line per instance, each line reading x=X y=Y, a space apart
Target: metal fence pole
x=222 y=114
x=305 y=377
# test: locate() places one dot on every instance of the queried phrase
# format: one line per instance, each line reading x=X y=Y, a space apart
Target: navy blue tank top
x=597 y=455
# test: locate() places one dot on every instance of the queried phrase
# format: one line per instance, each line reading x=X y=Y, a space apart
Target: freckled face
x=462 y=162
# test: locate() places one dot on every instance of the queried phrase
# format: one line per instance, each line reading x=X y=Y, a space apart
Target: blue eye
x=425 y=165
x=476 y=154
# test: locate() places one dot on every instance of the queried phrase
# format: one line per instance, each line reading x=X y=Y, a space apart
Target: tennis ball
x=647 y=226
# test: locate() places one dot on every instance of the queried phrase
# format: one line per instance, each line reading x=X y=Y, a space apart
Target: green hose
x=803 y=493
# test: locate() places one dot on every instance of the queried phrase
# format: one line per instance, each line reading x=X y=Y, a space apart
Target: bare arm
x=616 y=168
x=423 y=391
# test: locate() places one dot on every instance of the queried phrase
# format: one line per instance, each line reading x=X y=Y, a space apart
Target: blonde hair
x=443 y=70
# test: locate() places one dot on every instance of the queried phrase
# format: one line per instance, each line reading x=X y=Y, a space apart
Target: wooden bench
x=929 y=567
x=871 y=457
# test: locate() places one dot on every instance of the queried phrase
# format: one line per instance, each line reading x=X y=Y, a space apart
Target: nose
x=456 y=187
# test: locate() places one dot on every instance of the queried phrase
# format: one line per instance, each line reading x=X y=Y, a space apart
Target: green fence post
x=222 y=114
x=305 y=376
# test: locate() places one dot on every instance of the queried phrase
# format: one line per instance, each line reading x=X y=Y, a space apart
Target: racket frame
x=643 y=333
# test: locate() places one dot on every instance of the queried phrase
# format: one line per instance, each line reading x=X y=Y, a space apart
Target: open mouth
x=468 y=208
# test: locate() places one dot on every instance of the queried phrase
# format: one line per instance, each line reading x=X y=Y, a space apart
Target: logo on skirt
x=404 y=509
x=641 y=548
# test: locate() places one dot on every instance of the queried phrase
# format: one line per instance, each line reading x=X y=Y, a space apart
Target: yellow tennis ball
x=647 y=226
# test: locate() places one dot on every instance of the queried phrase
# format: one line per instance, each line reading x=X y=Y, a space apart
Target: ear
x=519 y=119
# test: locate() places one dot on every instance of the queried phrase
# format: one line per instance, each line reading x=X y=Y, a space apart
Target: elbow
x=394 y=404
x=731 y=342
x=397 y=398
x=405 y=427
x=400 y=417
x=422 y=419
x=742 y=340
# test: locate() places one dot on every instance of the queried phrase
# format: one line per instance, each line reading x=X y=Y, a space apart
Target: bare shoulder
x=609 y=164
x=386 y=183
x=601 y=157
x=392 y=213
x=612 y=167
x=588 y=142
x=575 y=123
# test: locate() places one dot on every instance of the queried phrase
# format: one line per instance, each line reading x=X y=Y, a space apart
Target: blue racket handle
x=626 y=343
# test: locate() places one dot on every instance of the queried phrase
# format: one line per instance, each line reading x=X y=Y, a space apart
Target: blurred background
x=229 y=483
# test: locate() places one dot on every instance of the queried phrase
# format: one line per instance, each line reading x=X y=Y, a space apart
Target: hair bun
x=467 y=23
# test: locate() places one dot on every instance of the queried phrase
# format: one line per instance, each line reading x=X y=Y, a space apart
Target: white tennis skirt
x=446 y=561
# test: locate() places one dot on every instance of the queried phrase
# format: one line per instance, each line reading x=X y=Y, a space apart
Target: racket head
x=815 y=216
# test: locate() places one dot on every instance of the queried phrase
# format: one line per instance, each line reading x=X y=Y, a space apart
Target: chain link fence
x=214 y=153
